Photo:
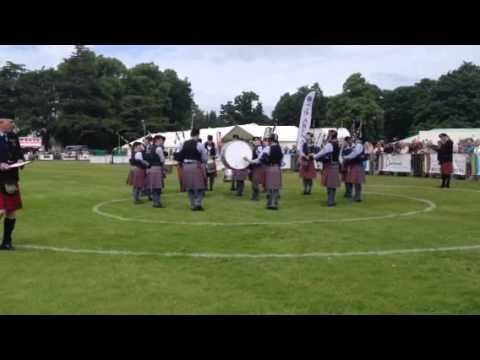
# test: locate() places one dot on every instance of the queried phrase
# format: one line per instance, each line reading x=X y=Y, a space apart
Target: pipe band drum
x=233 y=155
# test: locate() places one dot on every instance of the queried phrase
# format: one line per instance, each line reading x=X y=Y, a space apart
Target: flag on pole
x=305 y=119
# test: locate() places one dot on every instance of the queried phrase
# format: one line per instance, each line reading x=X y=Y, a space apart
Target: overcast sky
x=219 y=73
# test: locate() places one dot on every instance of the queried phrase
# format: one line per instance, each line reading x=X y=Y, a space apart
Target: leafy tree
x=288 y=109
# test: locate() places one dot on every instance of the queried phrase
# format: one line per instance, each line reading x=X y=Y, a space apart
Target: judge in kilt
x=271 y=157
x=211 y=165
x=194 y=156
x=445 y=159
x=307 y=170
x=329 y=157
x=138 y=173
x=155 y=181
x=257 y=170
x=355 y=175
x=10 y=197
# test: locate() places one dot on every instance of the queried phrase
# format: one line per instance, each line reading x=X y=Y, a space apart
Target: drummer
x=257 y=171
x=211 y=166
x=239 y=177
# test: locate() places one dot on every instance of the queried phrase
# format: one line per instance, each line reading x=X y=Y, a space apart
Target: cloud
x=220 y=72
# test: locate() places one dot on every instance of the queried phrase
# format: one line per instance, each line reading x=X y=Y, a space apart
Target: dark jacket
x=10 y=152
x=445 y=152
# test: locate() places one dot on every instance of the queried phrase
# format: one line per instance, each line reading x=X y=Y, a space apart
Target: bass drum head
x=233 y=154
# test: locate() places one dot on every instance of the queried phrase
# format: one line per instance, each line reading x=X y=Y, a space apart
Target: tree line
x=89 y=99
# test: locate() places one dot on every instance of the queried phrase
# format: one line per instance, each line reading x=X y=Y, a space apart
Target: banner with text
x=399 y=163
x=305 y=119
x=459 y=164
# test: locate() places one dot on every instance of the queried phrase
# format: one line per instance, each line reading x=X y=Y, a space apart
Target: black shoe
x=305 y=193
x=357 y=200
x=331 y=205
x=195 y=208
x=158 y=206
x=137 y=202
x=200 y=208
x=7 y=247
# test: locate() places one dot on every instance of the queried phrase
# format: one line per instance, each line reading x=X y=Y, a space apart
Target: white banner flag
x=305 y=119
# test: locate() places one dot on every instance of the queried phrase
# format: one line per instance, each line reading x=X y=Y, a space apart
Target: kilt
x=155 y=178
x=257 y=174
x=11 y=203
x=307 y=169
x=355 y=174
x=273 y=177
x=330 y=176
x=194 y=176
x=137 y=177
x=446 y=168
x=240 y=175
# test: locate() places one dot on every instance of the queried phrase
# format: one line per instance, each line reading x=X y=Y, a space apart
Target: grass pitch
x=59 y=198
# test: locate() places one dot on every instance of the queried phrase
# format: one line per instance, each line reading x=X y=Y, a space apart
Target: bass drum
x=233 y=155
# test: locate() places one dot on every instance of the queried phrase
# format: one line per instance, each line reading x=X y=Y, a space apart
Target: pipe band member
x=156 y=177
x=194 y=157
x=271 y=157
x=330 y=173
x=211 y=165
x=147 y=149
x=239 y=177
x=10 y=197
x=355 y=175
x=307 y=164
x=346 y=149
x=137 y=178
x=257 y=170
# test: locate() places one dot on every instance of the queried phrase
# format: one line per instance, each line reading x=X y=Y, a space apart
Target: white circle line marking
x=430 y=206
x=249 y=256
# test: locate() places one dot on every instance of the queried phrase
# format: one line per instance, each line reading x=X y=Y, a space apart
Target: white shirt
x=327 y=149
x=357 y=150
x=265 y=151
x=138 y=156
x=159 y=152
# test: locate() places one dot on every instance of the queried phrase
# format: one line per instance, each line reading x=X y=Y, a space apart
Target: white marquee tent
x=287 y=135
x=455 y=134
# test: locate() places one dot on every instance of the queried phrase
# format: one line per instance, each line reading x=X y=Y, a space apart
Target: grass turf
x=59 y=197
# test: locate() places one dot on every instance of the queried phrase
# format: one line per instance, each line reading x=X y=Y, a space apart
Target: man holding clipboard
x=11 y=157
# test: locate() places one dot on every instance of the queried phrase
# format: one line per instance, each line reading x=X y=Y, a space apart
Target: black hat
x=195 y=132
x=136 y=143
x=158 y=137
x=209 y=137
x=443 y=135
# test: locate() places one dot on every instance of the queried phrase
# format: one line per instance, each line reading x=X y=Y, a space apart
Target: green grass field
x=233 y=269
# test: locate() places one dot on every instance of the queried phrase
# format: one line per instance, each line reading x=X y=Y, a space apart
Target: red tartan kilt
x=138 y=177
x=11 y=203
x=307 y=169
x=446 y=168
x=330 y=176
x=257 y=174
x=194 y=176
x=273 y=177
x=355 y=174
